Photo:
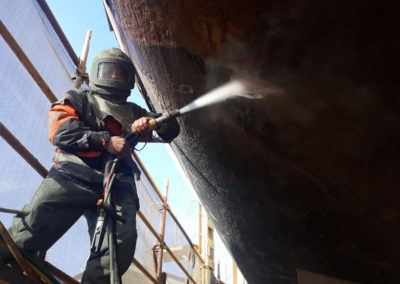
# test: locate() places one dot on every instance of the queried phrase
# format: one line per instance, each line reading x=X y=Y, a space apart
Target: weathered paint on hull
x=308 y=179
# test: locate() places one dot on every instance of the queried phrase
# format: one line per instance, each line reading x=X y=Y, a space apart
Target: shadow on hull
x=306 y=179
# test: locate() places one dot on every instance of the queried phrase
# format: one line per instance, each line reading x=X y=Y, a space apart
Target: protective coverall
x=81 y=125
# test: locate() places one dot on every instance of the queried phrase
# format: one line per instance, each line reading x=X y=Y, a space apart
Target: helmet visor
x=112 y=71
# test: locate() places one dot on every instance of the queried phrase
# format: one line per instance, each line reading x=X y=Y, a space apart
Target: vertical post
x=203 y=267
x=160 y=277
x=81 y=68
x=235 y=274
x=210 y=245
x=200 y=231
x=219 y=272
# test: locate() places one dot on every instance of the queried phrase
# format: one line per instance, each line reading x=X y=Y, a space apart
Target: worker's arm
x=67 y=131
x=167 y=130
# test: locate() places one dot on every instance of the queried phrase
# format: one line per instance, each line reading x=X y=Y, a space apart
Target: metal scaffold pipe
x=162 y=232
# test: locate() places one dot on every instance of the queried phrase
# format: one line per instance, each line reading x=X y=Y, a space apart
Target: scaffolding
x=39 y=66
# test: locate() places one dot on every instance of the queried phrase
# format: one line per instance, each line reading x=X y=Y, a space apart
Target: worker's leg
x=56 y=206
x=98 y=266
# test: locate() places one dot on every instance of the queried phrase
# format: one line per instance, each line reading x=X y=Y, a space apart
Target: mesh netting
x=23 y=110
x=175 y=239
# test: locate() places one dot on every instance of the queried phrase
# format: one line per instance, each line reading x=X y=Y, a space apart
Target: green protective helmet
x=112 y=73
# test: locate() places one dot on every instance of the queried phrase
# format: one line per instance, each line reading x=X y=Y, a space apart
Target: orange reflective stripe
x=58 y=115
x=88 y=153
x=85 y=153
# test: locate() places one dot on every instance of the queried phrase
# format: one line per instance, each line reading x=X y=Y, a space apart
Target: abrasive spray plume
x=242 y=88
x=229 y=90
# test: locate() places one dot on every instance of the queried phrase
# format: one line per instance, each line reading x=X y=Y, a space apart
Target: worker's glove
x=141 y=125
x=118 y=146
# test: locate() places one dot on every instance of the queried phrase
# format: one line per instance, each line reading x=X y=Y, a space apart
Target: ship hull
x=306 y=177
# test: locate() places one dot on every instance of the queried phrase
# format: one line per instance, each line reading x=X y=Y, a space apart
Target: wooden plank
x=144 y=271
x=65 y=278
x=164 y=245
x=23 y=58
x=11 y=275
x=17 y=254
x=53 y=21
x=22 y=151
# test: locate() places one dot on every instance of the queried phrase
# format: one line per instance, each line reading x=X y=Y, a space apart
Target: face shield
x=112 y=71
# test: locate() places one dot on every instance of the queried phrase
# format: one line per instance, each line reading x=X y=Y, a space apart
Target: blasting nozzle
x=155 y=123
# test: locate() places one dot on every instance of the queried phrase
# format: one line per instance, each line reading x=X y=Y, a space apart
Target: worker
x=86 y=126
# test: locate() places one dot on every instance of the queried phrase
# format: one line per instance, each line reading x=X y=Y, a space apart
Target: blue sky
x=75 y=18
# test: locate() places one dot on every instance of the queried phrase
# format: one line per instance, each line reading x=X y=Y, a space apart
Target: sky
x=75 y=18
